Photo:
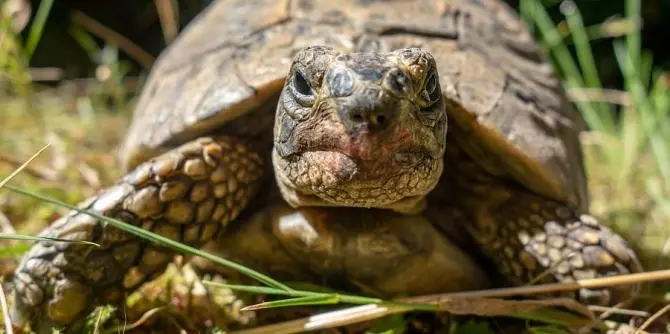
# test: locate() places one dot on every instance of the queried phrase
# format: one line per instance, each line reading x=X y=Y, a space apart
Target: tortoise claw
x=553 y=243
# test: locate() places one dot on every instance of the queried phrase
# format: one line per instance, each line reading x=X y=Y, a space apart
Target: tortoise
x=393 y=148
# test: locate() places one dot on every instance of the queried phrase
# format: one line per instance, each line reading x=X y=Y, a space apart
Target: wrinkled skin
x=360 y=130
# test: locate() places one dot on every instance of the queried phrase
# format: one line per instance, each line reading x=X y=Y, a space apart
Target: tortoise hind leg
x=528 y=236
x=186 y=194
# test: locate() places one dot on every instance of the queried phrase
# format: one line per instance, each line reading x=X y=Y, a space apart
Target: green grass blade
x=633 y=12
x=585 y=55
x=344 y=298
x=568 y=67
x=660 y=95
x=158 y=239
x=644 y=110
x=527 y=11
x=646 y=68
x=292 y=302
x=85 y=41
x=582 y=46
x=11 y=236
x=37 y=27
x=610 y=29
x=247 y=288
x=553 y=317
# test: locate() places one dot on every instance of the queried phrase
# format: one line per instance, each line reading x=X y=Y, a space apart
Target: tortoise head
x=360 y=129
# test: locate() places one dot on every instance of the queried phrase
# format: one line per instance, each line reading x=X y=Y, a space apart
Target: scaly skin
x=187 y=195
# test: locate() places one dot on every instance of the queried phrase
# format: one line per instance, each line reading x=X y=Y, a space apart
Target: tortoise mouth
x=335 y=178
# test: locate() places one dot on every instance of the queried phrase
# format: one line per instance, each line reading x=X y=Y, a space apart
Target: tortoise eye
x=300 y=84
x=433 y=91
x=301 y=89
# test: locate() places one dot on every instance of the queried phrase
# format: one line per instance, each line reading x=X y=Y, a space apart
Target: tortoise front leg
x=530 y=237
x=186 y=194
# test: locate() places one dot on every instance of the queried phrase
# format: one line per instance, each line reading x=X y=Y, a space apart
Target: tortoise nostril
x=381 y=119
x=357 y=117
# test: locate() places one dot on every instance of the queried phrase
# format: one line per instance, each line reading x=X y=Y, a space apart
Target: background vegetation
x=70 y=70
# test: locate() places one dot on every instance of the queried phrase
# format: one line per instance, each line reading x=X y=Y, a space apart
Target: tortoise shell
x=233 y=59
